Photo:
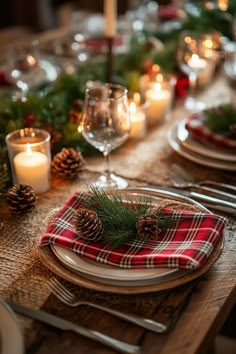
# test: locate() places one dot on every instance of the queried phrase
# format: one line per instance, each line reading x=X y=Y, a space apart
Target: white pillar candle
x=110 y=12
x=158 y=102
x=138 y=122
x=32 y=167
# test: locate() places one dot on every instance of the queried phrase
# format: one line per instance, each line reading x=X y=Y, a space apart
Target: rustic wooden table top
x=196 y=311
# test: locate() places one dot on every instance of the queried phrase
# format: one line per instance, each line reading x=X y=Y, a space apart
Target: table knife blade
x=65 y=325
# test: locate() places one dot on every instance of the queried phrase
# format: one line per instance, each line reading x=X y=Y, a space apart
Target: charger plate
x=49 y=259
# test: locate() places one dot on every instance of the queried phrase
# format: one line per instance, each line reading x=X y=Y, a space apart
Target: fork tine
x=59 y=290
x=57 y=293
x=62 y=288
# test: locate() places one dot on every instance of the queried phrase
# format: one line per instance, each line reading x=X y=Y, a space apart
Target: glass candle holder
x=159 y=98
x=30 y=158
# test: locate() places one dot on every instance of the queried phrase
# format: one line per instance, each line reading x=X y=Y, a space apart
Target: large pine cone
x=147 y=227
x=88 y=225
x=21 y=198
x=67 y=163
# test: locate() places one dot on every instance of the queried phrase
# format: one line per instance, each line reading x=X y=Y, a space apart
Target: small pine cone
x=67 y=163
x=21 y=198
x=147 y=227
x=75 y=112
x=88 y=225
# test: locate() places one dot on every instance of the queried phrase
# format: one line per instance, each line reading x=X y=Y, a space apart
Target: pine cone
x=88 y=225
x=4 y=177
x=147 y=227
x=67 y=163
x=21 y=198
x=75 y=112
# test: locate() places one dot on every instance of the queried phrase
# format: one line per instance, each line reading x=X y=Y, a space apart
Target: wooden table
x=200 y=307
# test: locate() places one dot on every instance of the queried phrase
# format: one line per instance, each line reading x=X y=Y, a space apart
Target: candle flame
x=195 y=58
x=137 y=98
x=132 y=108
x=28 y=149
x=223 y=5
x=157 y=87
x=208 y=43
x=159 y=78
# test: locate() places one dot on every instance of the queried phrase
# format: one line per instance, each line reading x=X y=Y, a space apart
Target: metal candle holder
x=110 y=41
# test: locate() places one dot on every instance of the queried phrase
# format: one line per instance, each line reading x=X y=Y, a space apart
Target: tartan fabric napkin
x=197 y=128
x=186 y=245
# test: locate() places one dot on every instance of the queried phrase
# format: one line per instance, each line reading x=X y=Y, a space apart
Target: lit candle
x=138 y=122
x=206 y=76
x=110 y=12
x=196 y=63
x=158 y=101
x=32 y=167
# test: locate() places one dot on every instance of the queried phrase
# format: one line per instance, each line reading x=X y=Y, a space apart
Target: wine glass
x=191 y=60
x=23 y=67
x=106 y=125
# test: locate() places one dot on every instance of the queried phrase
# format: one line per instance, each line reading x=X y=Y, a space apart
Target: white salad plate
x=177 y=146
x=11 y=338
x=113 y=275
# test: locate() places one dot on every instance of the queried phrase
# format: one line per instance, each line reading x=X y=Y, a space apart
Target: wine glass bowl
x=22 y=66
x=106 y=125
x=191 y=60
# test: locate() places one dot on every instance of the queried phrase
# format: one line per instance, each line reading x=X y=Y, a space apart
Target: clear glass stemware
x=106 y=125
x=191 y=60
x=22 y=66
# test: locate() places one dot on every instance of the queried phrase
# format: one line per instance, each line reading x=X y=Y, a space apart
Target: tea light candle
x=138 y=122
x=196 y=63
x=158 y=102
x=32 y=167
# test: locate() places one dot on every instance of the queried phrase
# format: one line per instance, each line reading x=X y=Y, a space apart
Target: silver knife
x=208 y=201
x=65 y=325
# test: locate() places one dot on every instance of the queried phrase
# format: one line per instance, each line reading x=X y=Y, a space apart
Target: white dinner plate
x=206 y=150
x=111 y=275
x=177 y=146
x=11 y=338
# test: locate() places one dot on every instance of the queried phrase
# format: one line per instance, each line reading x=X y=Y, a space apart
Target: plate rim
x=55 y=248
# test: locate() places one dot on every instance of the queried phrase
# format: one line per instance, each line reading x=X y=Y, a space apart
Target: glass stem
x=192 y=84
x=107 y=164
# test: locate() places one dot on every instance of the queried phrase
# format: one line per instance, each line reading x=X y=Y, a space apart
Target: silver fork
x=182 y=179
x=70 y=299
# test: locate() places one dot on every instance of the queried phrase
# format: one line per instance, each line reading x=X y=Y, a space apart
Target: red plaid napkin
x=197 y=128
x=187 y=244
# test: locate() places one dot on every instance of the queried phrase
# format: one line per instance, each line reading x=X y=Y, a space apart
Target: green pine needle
x=119 y=215
x=221 y=118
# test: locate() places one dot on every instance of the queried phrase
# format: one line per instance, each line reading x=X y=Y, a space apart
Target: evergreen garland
x=47 y=107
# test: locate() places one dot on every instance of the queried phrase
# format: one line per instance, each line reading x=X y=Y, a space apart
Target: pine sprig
x=119 y=214
x=220 y=119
